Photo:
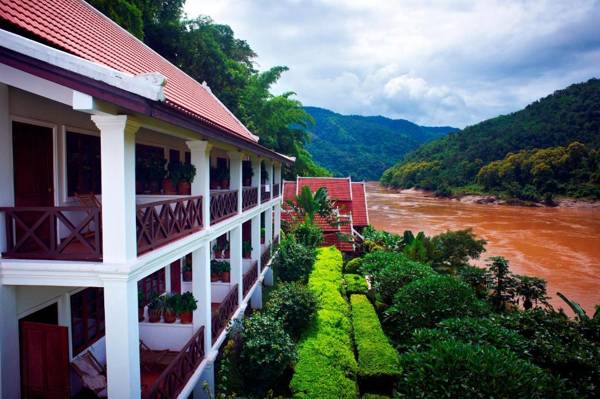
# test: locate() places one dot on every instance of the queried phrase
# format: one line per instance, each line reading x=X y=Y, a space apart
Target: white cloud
x=433 y=62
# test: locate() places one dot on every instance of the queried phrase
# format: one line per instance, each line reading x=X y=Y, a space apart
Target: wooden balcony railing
x=264 y=195
x=223 y=205
x=249 y=197
x=264 y=258
x=65 y=233
x=224 y=312
x=250 y=277
x=161 y=222
x=172 y=380
x=275 y=190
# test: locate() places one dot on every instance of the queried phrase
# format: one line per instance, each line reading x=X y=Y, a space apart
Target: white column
x=237 y=270
x=277 y=176
x=200 y=158
x=6 y=163
x=207 y=377
x=255 y=233
x=269 y=225
x=277 y=220
x=117 y=154
x=256 y=174
x=122 y=338
x=9 y=344
x=201 y=291
x=256 y=299
x=235 y=175
x=269 y=167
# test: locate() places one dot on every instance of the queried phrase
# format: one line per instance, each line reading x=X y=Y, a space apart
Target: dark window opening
x=87 y=318
x=153 y=284
x=83 y=164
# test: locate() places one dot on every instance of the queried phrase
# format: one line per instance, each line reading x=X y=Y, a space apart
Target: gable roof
x=338 y=188
x=360 y=215
x=76 y=27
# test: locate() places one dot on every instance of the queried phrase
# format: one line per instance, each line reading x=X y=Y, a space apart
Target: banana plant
x=578 y=310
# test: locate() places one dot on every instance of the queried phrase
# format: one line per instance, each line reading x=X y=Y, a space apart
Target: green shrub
x=308 y=234
x=453 y=369
x=326 y=365
x=293 y=261
x=353 y=266
x=355 y=284
x=427 y=301
x=374 y=396
x=377 y=260
x=394 y=276
x=478 y=278
x=267 y=351
x=378 y=361
x=294 y=304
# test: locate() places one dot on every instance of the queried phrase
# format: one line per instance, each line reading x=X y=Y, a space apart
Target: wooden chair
x=90 y=201
x=91 y=373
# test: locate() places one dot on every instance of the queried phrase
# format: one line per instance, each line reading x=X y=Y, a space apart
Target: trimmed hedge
x=353 y=266
x=326 y=367
x=377 y=359
x=293 y=261
x=294 y=305
x=396 y=275
x=355 y=284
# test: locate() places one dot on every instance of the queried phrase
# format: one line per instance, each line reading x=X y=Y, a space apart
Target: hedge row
x=326 y=367
x=377 y=359
x=355 y=284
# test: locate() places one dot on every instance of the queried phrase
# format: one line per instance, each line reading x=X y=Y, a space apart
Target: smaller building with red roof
x=350 y=200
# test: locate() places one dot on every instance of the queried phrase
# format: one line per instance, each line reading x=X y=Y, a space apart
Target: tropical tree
x=532 y=291
x=307 y=205
x=502 y=282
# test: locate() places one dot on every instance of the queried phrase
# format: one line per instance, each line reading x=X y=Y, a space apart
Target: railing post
x=202 y=292
x=200 y=158
x=237 y=270
x=117 y=152
x=235 y=176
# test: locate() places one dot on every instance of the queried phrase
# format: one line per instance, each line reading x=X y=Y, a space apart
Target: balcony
x=249 y=197
x=265 y=195
x=275 y=190
x=223 y=205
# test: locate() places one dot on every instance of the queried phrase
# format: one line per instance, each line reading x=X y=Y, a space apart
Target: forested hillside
x=364 y=146
x=563 y=127
x=210 y=52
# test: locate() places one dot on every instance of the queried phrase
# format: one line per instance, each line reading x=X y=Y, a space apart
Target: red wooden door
x=44 y=361
x=176 y=277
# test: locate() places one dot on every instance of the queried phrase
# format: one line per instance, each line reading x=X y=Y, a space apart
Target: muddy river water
x=561 y=245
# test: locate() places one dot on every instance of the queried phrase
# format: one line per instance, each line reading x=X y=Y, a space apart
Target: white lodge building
x=90 y=121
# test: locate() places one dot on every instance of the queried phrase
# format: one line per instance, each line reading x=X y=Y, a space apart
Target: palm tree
x=307 y=205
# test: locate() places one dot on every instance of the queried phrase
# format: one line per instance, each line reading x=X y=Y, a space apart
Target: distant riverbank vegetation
x=550 y=148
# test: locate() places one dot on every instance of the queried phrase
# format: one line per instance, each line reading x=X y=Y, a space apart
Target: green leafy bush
x=478 y=278
x=396 y=275
x=267 y=351
x=378 y=361
x=308 y=234
x=353 y=266
x=458 y=370
x=377 y=260
x=355 y=284
x=293 y=261
x=326 y=365
x=294 y=304
x=427 y=301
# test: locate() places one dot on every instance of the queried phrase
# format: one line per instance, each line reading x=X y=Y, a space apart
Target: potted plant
x=246 y=249
x=225 y=271
x=226 y=252
x=188 y=172
x=171 y=302
x=141 y=305
x=215 y=270
x=218 y=250
x=155 y=308
x=171 y=178
x=187 y=270
x=262 y=235
x=187 y=305
x=155 y=173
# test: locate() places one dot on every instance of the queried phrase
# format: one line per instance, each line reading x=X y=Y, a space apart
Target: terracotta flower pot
x=226 y=254
x=184 y=188
x=186 y=317
x=214 y=277
x=154 y=315
x=225 y=277
x=168 y=187
x=170 y=316
x=247 y=255
x=187 y=276
x=141 y=314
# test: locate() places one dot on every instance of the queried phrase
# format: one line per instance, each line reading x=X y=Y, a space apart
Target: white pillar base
x=268 y=281
x=205 y=389
x=10 y=377
x=256 y=299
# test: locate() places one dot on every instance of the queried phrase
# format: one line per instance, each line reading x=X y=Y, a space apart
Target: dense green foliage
x=363 y=147
x=550 y=125
x=427 y=301
x=294 y=305
x=308 y=234
x=326 y=366
x=376 y=357
x=396 y=275
x=210 y=52
x=293 y=261
x=454 y=369
x=355 y=284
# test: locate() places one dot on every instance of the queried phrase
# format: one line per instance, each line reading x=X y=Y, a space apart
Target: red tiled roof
x=76 y=27
x=337 y=188
x=359 y=205
x=289 y=191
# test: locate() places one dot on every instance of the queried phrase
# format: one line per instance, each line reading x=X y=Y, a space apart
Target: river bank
x=558 y=244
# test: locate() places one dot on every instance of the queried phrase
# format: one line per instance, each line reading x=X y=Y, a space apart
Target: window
x=87 y=318
x=153 y=284
x=149 y=168
x=83 y=164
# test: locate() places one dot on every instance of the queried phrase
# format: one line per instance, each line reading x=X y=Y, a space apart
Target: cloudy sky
x=431 y=62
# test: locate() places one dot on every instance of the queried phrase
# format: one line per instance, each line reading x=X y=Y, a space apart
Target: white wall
x=160 y=336
x=6 y=172
x=34 y=298
x=9 y=344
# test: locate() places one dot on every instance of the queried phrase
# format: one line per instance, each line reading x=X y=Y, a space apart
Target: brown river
x=560 y=245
